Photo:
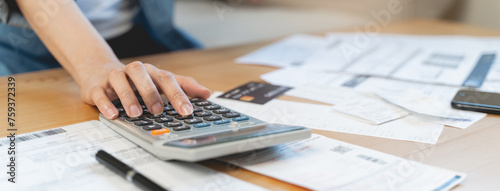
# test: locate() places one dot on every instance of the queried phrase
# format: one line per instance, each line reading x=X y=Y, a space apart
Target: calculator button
x=241 y=118
x=203 y=114
x=212 y=118
x=143 y=106
x=193 y=121
x=143 y=122
x=173 y=124
x=160 y=131
x=131 y=119
x=194 y=100
x=145 y=111
x=231 y=115
x=164 y=119
x=173 y=112
x=222 y=121
x=120 y=109
x=168 y=108
x=202 y=103
x=151 y=127
x=152 y=116
x=197 y=109
x=123 y=115
x=212 y=107
x=221 y=111
x=204 y=124
x=180 y=117
x=181 y=128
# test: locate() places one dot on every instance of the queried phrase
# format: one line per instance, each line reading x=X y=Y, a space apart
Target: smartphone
x=472 y=100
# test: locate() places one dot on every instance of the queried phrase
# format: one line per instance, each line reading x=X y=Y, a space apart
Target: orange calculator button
x=160 y=131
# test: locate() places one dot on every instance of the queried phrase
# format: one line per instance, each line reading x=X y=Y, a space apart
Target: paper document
x=337 y=88
x=294 y=77
x=322 y=117
x=291 y=51
x=415 y=101
x=64 y=159
x=430 y=59
x=440 y=95
x=321 y=163
x=447 y=60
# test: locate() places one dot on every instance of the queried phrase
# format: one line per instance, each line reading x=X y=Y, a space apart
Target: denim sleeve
x=11 y=15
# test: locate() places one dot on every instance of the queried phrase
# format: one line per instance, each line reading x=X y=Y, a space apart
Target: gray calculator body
x=203 y=137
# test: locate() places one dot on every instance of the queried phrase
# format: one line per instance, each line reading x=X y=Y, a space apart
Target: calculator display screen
x=205 y=140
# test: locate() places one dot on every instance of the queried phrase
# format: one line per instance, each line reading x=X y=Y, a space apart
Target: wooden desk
x=50 y=99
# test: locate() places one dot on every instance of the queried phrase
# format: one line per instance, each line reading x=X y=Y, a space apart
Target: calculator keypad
x=205 y=115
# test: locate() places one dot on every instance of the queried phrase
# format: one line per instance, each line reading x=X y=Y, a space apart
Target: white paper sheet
x=440 y=95
x=363 y=106
x=370 y=109
x=64 y=159
x=322 y=117
x=415 y=101
x=294 y=77
x=320 y=163
x=291 y=51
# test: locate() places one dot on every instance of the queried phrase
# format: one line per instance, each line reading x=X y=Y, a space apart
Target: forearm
x=69 y=36
x=80 y=49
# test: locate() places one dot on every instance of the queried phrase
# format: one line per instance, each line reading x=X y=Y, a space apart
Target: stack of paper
x=322 y=117
x=64 y=159
x=380 y=78
x=444 y=60
x=320 y=163
x=430 y=100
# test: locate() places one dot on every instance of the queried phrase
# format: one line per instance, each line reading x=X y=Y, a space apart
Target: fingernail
x=157 y=108
x=186 y=109
x=134 y=111
x=111 y=113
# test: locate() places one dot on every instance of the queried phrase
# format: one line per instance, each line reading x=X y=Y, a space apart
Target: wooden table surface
x=50 y=98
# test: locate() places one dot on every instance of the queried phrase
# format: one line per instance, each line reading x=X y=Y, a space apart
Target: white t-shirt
x=111 y=18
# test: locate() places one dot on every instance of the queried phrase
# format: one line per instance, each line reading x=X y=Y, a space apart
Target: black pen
x=126 y=171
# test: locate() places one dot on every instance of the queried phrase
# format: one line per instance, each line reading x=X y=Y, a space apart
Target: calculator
x=211 y=131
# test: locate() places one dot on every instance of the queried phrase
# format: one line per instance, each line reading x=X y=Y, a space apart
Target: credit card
x=255 y=92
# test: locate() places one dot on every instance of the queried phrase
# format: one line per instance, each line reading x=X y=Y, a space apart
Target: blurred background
x=220 y=23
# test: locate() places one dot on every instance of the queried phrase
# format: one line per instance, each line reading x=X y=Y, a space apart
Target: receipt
x=320 y=163
x=291 y=51
x=415 y=101
x=322 y=117
x=64 y=159
x=370 y=109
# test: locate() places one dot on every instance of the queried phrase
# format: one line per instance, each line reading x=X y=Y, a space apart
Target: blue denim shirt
x=22 y=51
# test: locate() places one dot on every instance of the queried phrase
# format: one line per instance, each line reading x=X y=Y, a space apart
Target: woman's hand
x=113 y=81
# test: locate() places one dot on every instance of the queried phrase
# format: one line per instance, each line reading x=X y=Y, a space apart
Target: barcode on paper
x=372 y=159
x=341 y=149
x=32 y=136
